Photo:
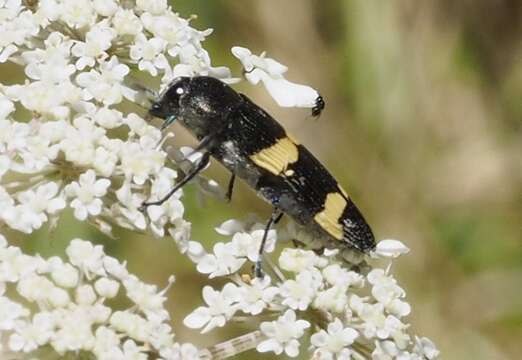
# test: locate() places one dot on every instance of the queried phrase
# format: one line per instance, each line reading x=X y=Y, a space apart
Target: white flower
x=193 y=249
x=105 y=85
x=88 y=258
x=149 y=136
x=63 y=274
x=390 y=249
x=85 y=295
x=283 y=334
x=251 y=62
x=333 y=299
x=195 y=61
x=155 y=7
x=229 y=257
x=148 y=53
x=15 y=265
x=79 y=144
x=223 y=261
x=138 y=162
x=147 y=297
x=29 y=336
x=125 y=22
x=386 y=291
x=247 y=244
x=87 y=193
x=425 y=348
x=338 y=276
x=52 y=64
x=38 y=154
x=77 y=13
x=133 y=352
x=16 y=27
x=383 y=327
x=108 y=118
x=129 y=323
x=48 y=10
x=128 y=205
x=221 y=306
x=230 y=227
x=6 y=52
x=43 y=199
x=171 y=210
x=372 y=315
x=385 y=350
x=180 y=352
x=270 y=72
x=104 y=161
x=35 y=288
x=106 y=287
x=10 y=312
x=105 y=342
x=169 y=27
x=13 y=135
x=115 y=268
x=97 y=40
x=45 y=98
x=257 y=295
x=6 y=106
x=34 y=205
x=299 y=293
x=297 y=260
x=395 y=329
x=105 y=7
x=74 y=329
x=334 y=343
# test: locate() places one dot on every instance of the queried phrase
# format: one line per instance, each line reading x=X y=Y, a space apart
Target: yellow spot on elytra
x=289 y=172
x=277 y=157
x=329 y=217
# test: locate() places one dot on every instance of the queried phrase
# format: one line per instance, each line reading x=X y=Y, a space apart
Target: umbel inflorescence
x=69 y=140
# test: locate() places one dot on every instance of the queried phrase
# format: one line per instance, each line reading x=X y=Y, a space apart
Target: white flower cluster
x=347 y=313
x=77 y=149
x=68 y=140
x=63 y=305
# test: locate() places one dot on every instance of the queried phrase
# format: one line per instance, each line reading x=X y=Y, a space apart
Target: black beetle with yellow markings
x=256 y=148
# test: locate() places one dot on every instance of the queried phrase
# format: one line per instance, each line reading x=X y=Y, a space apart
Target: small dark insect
x=256 y=148
x=318 y=107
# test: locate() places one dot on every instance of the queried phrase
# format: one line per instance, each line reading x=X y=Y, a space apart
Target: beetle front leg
x=194 y=171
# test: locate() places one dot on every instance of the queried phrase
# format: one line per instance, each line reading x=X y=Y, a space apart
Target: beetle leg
x=193 y=172
x=274 y=219
x=230 y=188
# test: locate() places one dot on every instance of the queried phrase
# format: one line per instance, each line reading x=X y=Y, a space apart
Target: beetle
x=253 y=146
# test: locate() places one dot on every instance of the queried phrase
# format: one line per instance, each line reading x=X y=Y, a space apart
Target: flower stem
x=233 y=346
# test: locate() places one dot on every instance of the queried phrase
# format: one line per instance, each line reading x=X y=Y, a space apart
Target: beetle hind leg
x=230 y=188
x=274 y=219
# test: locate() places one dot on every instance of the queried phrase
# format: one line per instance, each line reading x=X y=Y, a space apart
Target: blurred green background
x=423 y=126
